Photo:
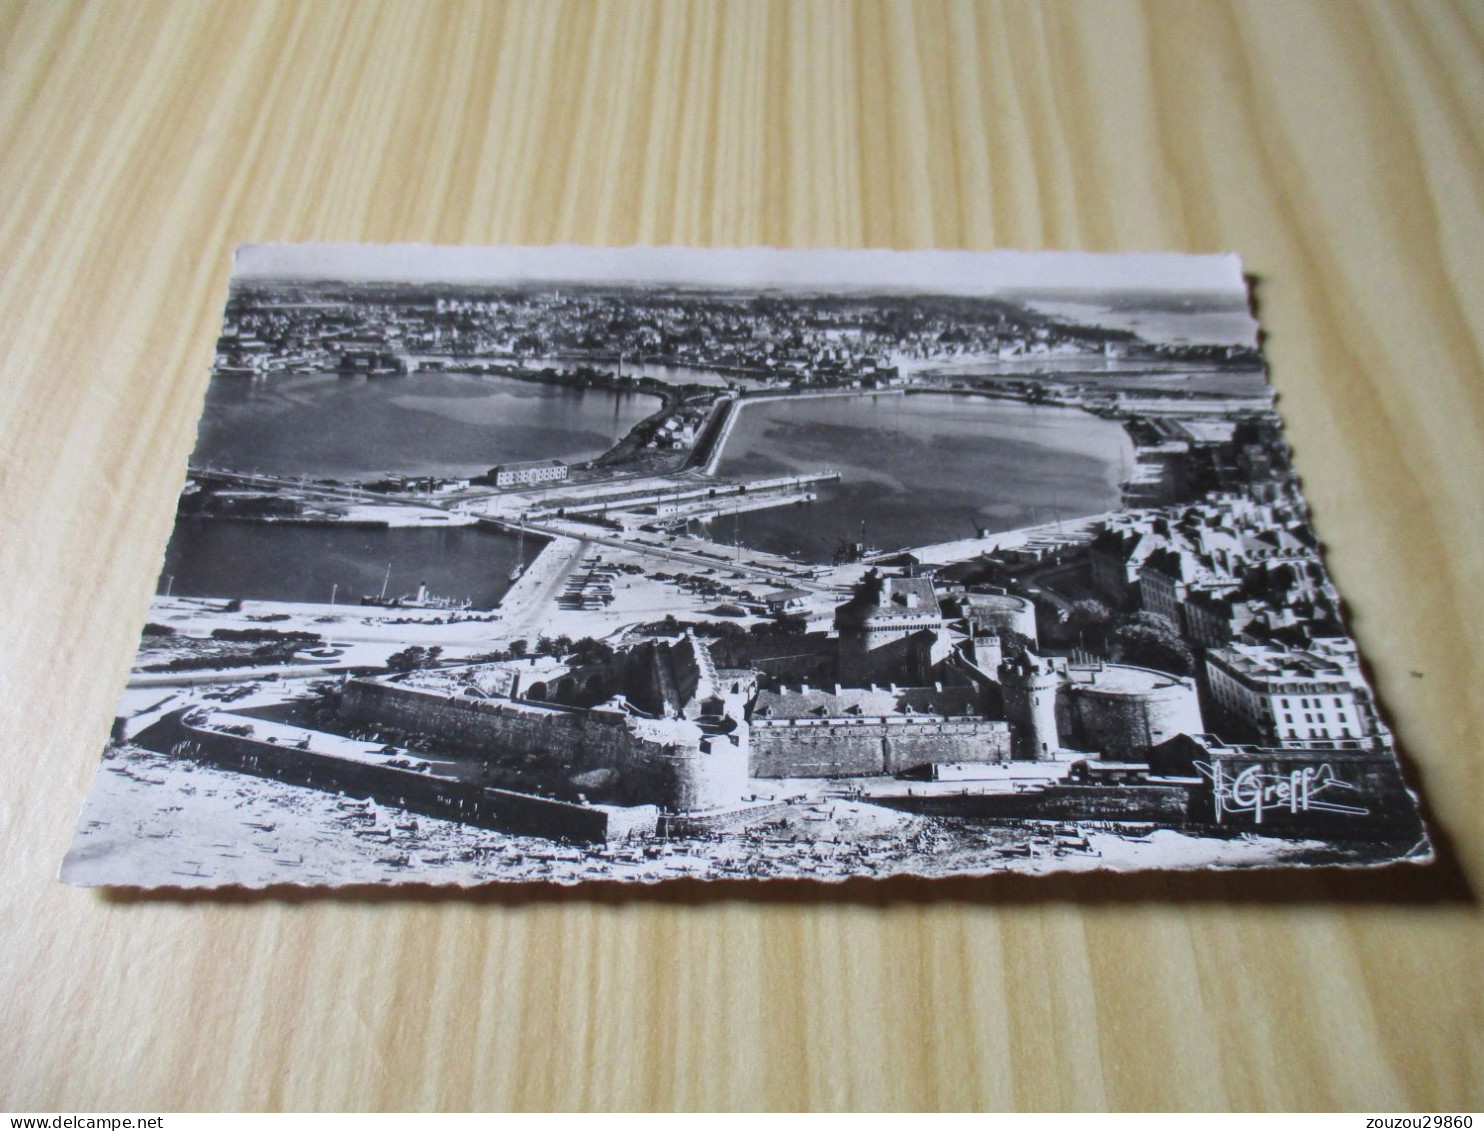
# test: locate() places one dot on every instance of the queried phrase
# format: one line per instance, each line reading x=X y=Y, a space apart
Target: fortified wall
x=855 y=746
x=891 y=628
x=674 y=763
x=1174 y=804
x=468 y=802
x=1111 y=710
x=1118 y=709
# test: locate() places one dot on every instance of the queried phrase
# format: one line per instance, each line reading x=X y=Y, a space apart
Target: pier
x=733 y=409
x=679 y=494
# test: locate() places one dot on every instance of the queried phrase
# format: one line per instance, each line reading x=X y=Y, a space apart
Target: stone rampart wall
x=883 y=658
x=853 y=748
x=1167 y=804
x=1120 y=724
x=503 y=810
x=549 y=746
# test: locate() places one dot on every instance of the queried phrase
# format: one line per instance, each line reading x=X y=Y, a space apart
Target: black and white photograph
x=631 y=564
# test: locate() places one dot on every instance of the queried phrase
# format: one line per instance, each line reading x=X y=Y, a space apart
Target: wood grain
x=1339 y=146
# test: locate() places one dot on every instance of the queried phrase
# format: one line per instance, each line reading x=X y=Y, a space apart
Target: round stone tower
x=1029 y=685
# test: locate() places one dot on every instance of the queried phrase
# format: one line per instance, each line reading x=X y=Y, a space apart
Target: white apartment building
x=1293 y=697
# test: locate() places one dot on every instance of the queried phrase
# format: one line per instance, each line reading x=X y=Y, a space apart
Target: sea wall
x=714 y=436
x=1166 y=804
x=1359 y=797
x=848 y=747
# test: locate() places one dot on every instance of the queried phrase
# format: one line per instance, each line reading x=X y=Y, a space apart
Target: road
x=776 y=577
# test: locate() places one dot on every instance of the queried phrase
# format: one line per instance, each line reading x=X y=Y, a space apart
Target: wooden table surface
x=1339 y=146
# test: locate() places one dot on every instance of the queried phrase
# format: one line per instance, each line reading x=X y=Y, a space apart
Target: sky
x=939 y=272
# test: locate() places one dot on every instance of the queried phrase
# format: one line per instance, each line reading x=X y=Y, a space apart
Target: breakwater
x=713 y=444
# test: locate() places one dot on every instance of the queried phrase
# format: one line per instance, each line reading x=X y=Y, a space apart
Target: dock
x=704 y=493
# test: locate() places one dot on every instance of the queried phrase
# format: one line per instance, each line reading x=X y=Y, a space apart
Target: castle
x=916 y=686
x=890 y=624
x=920 y=683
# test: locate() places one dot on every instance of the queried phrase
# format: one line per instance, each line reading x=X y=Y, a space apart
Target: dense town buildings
x=808 y=338
x=1229 y=568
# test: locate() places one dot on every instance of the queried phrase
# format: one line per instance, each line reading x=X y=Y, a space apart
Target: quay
x=536 y=589
x=718 y=438
x=659 y=497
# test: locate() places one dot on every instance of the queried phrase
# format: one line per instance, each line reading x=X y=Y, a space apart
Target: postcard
x=625 y=564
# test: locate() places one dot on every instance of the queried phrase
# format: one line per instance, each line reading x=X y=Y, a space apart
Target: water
x=1222 y=319
x=918 y=469
x=281 y=562
x=451 y=424
x=922 y=469
x=323 y=425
